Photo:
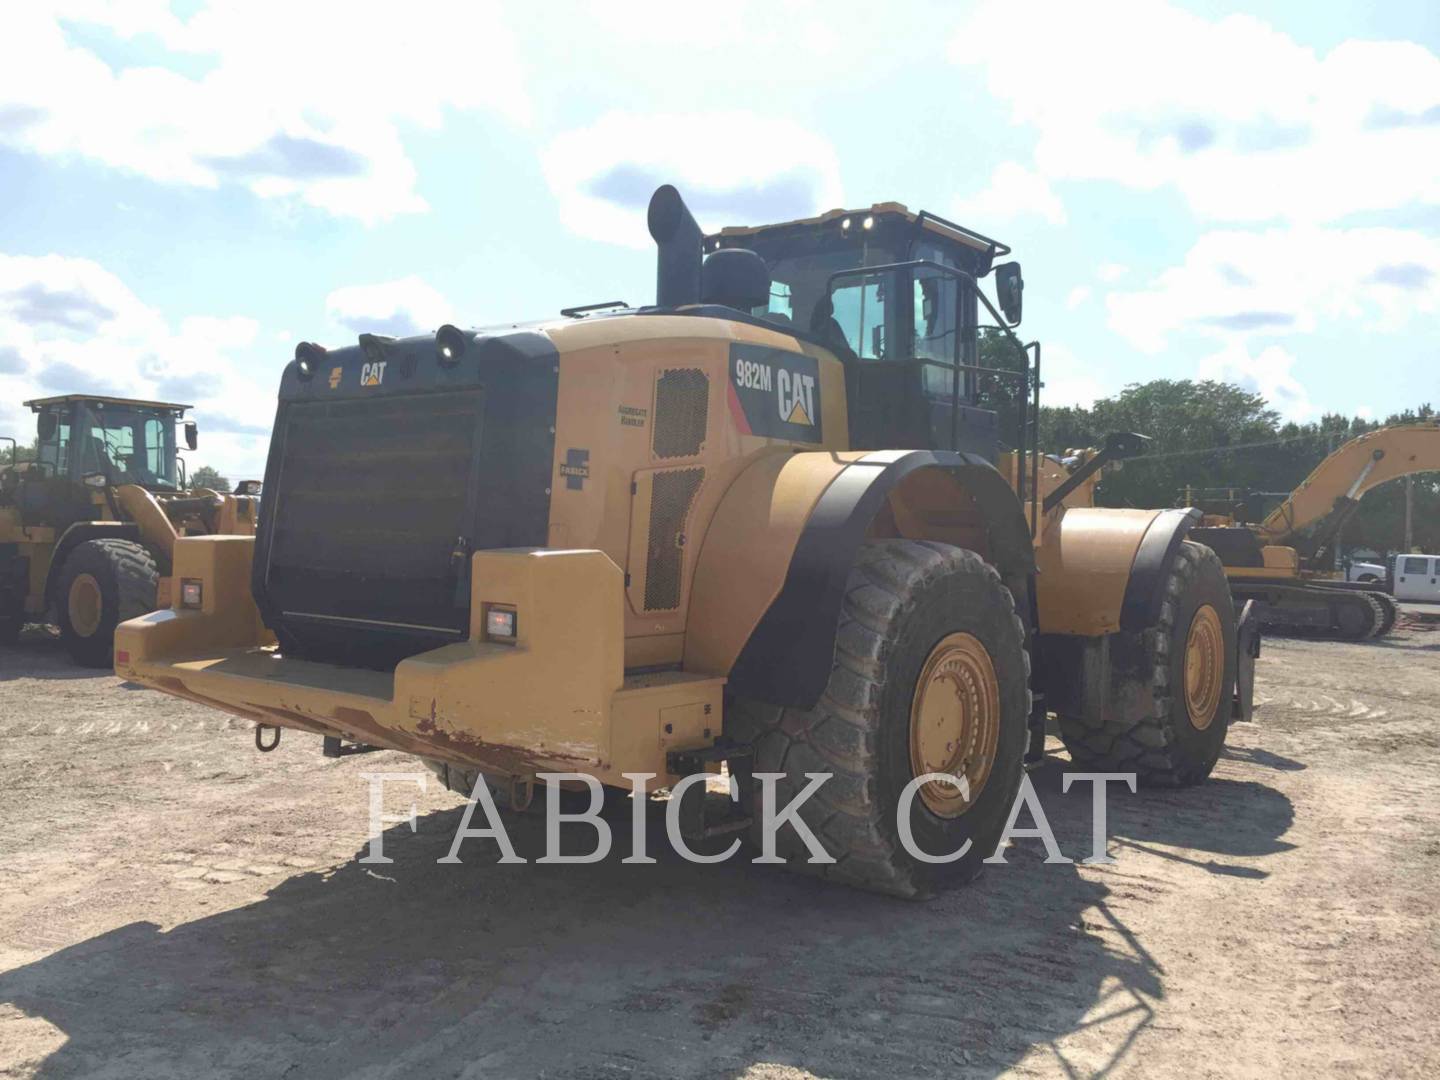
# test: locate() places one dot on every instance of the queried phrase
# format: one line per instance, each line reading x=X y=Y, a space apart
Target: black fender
x=1247 y=651
x=789 y=655
x=1145 y=591
x=77 y=534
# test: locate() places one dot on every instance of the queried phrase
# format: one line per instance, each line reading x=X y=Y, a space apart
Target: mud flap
x=1247 y=651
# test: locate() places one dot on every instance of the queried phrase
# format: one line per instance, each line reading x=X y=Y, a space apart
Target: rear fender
x=773 y=632
x=1247 y=651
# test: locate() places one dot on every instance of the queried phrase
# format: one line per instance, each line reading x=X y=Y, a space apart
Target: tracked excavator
x=1282 y=562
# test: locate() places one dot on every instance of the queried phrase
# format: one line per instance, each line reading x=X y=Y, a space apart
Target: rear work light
x=500 y=624
x=190 y=593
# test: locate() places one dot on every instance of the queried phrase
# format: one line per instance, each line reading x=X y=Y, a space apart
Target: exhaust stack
x=677 y=277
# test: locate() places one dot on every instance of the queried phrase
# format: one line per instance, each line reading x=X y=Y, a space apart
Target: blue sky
x=1195 y=191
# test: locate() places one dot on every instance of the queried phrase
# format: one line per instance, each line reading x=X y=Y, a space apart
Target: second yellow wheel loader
x=88 y=529
x=764 y=522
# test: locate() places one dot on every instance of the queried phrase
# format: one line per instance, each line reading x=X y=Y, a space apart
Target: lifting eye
x=450 y=342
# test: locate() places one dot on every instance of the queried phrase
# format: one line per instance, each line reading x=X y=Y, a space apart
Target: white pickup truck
x=1368 y=572
x=1417 y=578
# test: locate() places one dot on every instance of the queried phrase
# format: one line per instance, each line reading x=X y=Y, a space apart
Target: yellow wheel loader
x=88 y=529
x=765 y=522
x=1281 y=562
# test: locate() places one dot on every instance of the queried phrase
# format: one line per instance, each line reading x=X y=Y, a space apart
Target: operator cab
x=104 y=441
x=894 y=295
x=86 y=445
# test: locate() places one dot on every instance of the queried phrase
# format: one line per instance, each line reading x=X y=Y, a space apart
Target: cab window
x=155 y=446
x=781 y=307
x=55 y=451
x=1419 y=567
x=860 y=304
x=935 y=322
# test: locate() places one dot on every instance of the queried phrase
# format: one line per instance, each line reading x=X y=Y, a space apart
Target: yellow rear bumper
x=555 y=700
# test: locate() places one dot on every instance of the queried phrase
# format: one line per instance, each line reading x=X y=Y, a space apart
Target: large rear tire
x=1171 y=686
x=930 y=675
x=103 y=583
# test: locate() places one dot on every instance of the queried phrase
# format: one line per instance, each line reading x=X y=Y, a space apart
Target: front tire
x=104 y=582
x=930 y=675
x=1171 y=686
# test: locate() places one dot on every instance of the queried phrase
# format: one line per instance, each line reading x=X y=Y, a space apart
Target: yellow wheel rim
x=85 y=605
x=1204 y=667
x=955 y=722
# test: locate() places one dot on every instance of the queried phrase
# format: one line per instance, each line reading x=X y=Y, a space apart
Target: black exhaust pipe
x=677 y=277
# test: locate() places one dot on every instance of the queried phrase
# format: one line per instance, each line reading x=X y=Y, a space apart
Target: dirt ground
x=174 y=904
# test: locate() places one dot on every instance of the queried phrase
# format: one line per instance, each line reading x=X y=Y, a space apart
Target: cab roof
x=930 y=222
x=65 y=399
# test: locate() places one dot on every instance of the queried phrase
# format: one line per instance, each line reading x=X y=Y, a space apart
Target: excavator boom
x=1339 y=482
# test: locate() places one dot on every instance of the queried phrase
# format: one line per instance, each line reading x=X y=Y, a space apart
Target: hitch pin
x=260 y=743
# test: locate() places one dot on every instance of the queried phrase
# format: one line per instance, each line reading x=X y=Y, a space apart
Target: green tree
x=1212 y=439
x=1201 y=434
x=207 y=477
x=23 y=452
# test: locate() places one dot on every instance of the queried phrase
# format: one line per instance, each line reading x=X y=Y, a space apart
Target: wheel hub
x=1204 y=667
x=955 y=722
x=84 y=605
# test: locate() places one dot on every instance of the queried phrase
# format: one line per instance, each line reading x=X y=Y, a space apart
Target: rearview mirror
x=1010 y=291
x=45 y=426
x=192 y=434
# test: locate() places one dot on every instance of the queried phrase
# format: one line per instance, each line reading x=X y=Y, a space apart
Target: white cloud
x=1068 y=381
x=302 y=101
x=398 y=308
x=1239 y=284
x=1111 y=272
x=1268 y=373
x=78 y=328
x=1245 y=122
x=1279 y=281
x=604 y=174
x=1077 y=296
x=1014 y=191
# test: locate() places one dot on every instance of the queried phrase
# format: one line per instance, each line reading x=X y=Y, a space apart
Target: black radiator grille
x=387 y=470
x=373 y=496
x=671 y=496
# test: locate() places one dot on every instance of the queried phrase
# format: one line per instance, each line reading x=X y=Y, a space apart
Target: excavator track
x=1324 y=611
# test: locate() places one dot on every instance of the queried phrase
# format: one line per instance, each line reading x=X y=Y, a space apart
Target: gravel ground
x=174 y=904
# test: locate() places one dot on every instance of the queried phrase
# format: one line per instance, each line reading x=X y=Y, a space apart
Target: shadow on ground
x=39 y=655
x=672 y=969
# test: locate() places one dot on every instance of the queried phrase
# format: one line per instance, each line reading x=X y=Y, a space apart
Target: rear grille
x=381 y=483
x=373 y=496
x=682 y=401
x=671 y=496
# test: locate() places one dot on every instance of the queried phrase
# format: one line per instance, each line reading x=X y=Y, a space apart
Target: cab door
x=1416 y=578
